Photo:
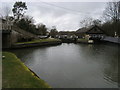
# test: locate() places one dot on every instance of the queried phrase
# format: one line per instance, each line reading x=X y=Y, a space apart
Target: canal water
x=74 y=65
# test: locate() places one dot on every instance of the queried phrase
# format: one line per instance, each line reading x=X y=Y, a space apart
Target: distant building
x=66 y=34
x=94 y=32
x=81 y=32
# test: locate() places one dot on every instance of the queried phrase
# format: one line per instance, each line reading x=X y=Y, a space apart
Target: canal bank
x=109 y=39
x=40 y=42
x=85 y=41
x=17 y=75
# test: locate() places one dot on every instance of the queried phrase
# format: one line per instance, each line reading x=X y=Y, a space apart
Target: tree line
x=110 y=22
x=110 y=25
x=27 y=22
x=112 y=15
x=23 y=21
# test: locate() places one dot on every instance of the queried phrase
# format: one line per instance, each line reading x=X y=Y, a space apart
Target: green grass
x=17 y=75
x=82 y=40
x=40 y=40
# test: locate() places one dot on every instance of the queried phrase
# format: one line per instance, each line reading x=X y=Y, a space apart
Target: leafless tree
x=7 y=17
x=88 y=21
x=112 y=11
x=29 y=19
x=6 y=11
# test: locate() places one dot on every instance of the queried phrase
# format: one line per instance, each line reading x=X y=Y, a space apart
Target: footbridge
x=13 y=34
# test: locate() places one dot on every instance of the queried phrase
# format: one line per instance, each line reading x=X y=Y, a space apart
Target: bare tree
x=88 y=21
x=29 y=19
x=7 y=17
x=96 y=22
x=112 y=15
x=6 y=12
x=112 y=10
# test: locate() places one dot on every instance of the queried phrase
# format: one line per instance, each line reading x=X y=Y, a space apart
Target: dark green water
x=74 y=65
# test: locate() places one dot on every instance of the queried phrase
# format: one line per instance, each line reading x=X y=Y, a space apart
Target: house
x=81 y=32
x=66 y=34
x=95 y=32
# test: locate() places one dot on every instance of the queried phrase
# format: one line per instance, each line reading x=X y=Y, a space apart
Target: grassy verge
x=40 y=40
x=82 y=40
x=17 y=75
x=85 y=41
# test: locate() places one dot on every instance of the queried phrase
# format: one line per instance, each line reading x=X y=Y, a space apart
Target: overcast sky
x=66 y=16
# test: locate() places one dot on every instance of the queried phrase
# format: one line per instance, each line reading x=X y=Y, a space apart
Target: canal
x=74 y=65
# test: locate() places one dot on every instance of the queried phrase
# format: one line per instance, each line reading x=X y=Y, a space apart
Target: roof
x=91 y=30
x=83 y=30
x=95 y=30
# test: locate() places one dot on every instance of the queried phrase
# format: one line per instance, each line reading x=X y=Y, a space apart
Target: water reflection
x=74 y=65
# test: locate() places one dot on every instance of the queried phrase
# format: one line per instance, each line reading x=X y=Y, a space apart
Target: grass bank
x=82 y=40
x=40 y=42
x=17 y=75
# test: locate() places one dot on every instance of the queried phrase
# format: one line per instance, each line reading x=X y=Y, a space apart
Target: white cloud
x=57 y=0
x=65 y=19
x=63 y=15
